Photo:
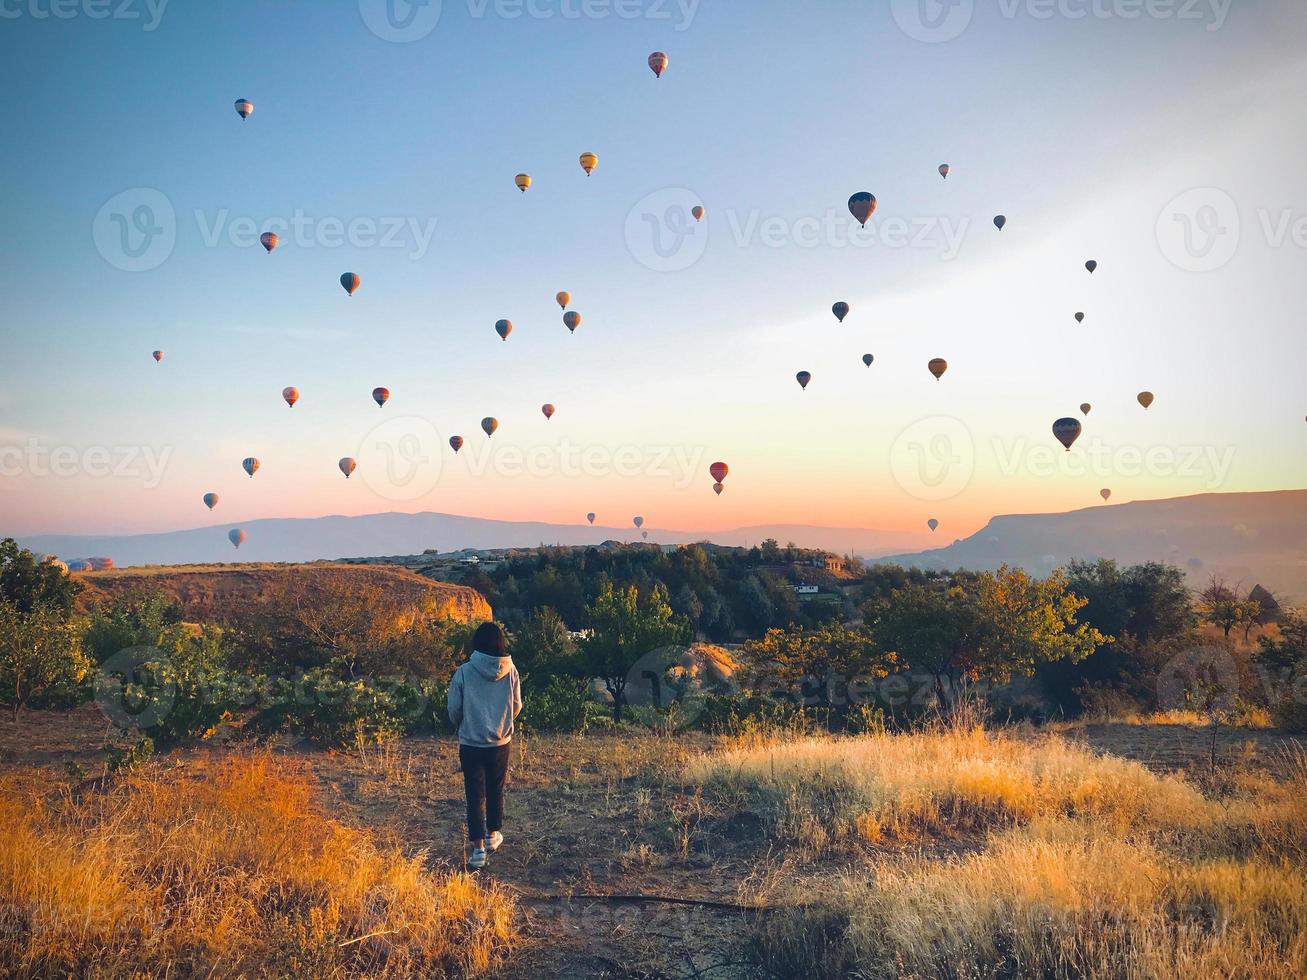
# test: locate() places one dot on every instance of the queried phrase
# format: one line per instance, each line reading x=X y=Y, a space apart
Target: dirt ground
x=593 y=824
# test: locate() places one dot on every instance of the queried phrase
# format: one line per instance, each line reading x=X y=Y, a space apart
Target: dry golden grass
x=226 y=869
x=1078 y=864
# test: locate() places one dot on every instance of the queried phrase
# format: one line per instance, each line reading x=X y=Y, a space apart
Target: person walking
x=485 y=696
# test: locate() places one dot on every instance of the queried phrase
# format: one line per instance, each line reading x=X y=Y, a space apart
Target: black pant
x=484 y=771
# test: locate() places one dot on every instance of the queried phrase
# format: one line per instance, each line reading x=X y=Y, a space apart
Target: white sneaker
x=494 y=840
x=478 y=859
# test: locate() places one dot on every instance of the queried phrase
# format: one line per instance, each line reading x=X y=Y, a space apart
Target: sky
x=1161 y=138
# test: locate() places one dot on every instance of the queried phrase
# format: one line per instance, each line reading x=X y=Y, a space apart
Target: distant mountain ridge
x=303 y=539
x=1248 y=538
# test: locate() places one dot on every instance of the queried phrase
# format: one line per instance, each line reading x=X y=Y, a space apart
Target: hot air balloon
x=548 y=410
x=350 y=281
x=588 y=162
x=211 y=500
x=999 y=221
x=1080 y=318
x=945 y=170
x=719 y=471
x=456 y=443
x=489 y=425
x=244 y=107
x=1091 y=265
x=564 y=298
x=523 y=181
x=937 y=367
x=157 y=355
x=291 y=394
x=658 y=62
x=236 y=536
x=697 y=212
x=380 y=396
x=932 y=523
x=637 y=521
x=572 y=320
x=590 y=517
x=1105 y=493
x=1145 y=398
x=1067 y=431
x=269 y=240
x=841 y=310
x=803 y=377
x=250 y=465
x=867 y=359
x=347 y=465
x=503 y=328
x=645 y=535
x=862 y=206
x=1085 y=408
x=717 y=489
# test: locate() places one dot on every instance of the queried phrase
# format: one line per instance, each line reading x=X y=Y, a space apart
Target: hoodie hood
x=491 y=668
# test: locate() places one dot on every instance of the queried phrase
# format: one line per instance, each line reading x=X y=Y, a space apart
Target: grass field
x=1109 y=850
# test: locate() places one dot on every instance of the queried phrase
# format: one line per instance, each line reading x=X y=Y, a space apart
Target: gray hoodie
x=485 y=696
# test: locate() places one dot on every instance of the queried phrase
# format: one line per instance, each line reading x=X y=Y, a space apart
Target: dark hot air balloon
x=945 y=170
x=210 y=500
x=347 y=465
x=932 y=524
x=999 y=221
x=1080 y=318
x=503 y=328
x=1085 y=408
x=937 y=367
x=637 y=521
x=489 y=425
x=590 y=517
x=1067 y=431
x=572 y=320
x=157 y=355
x=1145 y=398
x=862 y=206
x=803 y=377
x=867 y=359
x=250 y=465
x=456 y=443
x=1091 y=265
x=658 y=63
x=547 y=410
x=719 y=471
x=717 y=488
x=269 y=240
x=841 y=310
x=380 y=396
x=350 y=281
x=236 y=536
x=697 y=212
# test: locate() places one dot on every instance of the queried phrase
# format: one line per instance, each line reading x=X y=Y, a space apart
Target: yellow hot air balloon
x=523 y=181
x=588 y=162
x=564 y=298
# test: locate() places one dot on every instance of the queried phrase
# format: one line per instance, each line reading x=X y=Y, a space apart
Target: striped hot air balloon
x=250 y=465
x=523 y=181
x=588 y=162
x=658 y=63
x=269 y=240
x=862 y=206
x=244 y=107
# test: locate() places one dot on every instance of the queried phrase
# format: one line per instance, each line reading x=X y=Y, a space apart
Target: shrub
x=562 y=705
x=331 y=710
x=41 y=659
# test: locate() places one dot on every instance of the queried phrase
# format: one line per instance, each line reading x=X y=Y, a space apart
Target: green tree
x=1220 y=605
x=819 y=666
x=623 y=627
x=41 y=658
x=28 y=582
x=543 y=646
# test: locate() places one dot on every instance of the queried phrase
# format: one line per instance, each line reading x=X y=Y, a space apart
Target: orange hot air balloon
x=210 y=500
x=269 y=240
x=523 y=181
x=1080 y=318
x=841 y=310
x=868 y=358
x=157 y=355
x=350 y=281
x=564 y=298
x=719 y=471
x=489 y=424
x=244 y=107
x=932 y=524
x=862 y=206
x=945 y=170
x=380 y=396
x=588 y=162
x=1067 y=431
x=1145 y=398
x=1105 y=493
x=250 y=465
x=291 y=394
x=637 y=521
x=548 y=410
x=697 y=212
x=803 y=377
x=572 y=320
x=1085 y=408
x=590 y=517
x=456 y=443
x=347 y=465
x=658 y=63
x=937 y=367
x=999 y=221
x=503 y=328
x=236 y=536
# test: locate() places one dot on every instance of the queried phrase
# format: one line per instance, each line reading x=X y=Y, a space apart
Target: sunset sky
x=1164 y=140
